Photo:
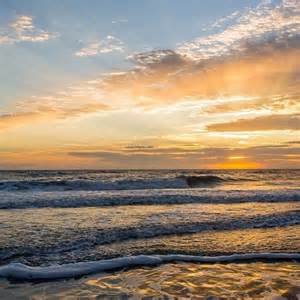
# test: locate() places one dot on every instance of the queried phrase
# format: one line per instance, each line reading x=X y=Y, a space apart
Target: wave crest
x=92 y=185
x=177 y=182
x=204 y=180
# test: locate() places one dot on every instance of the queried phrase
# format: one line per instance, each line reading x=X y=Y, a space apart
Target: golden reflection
x=235 y=281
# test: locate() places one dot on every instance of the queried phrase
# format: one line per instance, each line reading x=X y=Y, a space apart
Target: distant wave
x=92 y=185
x=140 y=197
x=179 y=182
x=18 y=271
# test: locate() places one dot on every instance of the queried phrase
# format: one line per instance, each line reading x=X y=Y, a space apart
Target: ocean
x=150 y=233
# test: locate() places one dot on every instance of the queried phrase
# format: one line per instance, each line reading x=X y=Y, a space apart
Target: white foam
x=18 y=271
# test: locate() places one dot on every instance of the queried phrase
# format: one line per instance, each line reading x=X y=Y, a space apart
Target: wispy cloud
x=118 y=21
x=272 y=122
x=224 y=20
x=208 y=157
x=72 y=102
x=106 y=45
x=273 y=155
x=24 y=30
x=167 y=77
x=46 y=113
x=254 y=26
x=286 y=104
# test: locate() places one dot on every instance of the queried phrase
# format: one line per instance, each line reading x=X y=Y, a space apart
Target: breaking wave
x=179 y=182
x=204 y=180
x=91 y=185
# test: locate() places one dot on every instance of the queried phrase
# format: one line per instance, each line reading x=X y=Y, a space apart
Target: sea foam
x=18 y=271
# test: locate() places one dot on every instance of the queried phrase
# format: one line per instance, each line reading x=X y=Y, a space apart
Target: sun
x=237 y=165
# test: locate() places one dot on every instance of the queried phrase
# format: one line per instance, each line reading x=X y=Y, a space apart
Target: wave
x=141 y=197
x=178 y=182
x=18 y=271
x=95 y=237
x=92 y=185
x=203 y=180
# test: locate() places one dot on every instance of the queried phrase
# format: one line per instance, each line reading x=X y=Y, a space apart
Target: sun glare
x=237 y=165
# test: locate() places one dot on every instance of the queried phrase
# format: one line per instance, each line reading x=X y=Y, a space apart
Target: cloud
x=23 y=30
x=261 y=47
x=258 y=24
x=255 y=73
x=135 y=147
x=64 y=105
x=119 y=21
x=284 y=103
x=107 y=45
x=45 y=113
x=216 y=153
x=12 y=120
x=167 y=77
x=220 y=22
x=293 y=143
x=272 y=122
x=158 y=59
x=208 y=157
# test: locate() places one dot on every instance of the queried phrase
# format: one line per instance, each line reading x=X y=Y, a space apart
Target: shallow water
x=182 y=281
x=64 y=235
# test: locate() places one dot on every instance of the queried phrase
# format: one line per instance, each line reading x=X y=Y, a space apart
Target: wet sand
x=257 y=280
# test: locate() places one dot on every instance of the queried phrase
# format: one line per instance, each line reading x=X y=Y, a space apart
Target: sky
x=149 y=84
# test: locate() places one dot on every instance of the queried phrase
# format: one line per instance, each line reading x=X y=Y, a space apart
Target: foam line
x=18 y=271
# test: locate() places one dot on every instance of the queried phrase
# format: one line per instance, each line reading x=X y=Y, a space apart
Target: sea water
x=65 y=224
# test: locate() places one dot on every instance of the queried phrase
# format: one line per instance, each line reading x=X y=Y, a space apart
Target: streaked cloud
x=251 y=157
x=119 y=21
x=24 y=30
x=293 y=143
x=271 y=122
x=46 y=113
x=106 y=45
x=275 y=104
x=72 y=102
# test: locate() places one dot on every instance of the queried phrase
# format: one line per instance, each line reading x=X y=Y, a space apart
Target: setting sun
x=237 y=165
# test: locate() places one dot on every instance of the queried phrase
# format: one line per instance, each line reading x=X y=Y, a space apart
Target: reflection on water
x=71 y=235
x=175 y=281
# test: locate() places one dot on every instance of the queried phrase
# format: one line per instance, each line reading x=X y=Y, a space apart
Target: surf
x=22 y=272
